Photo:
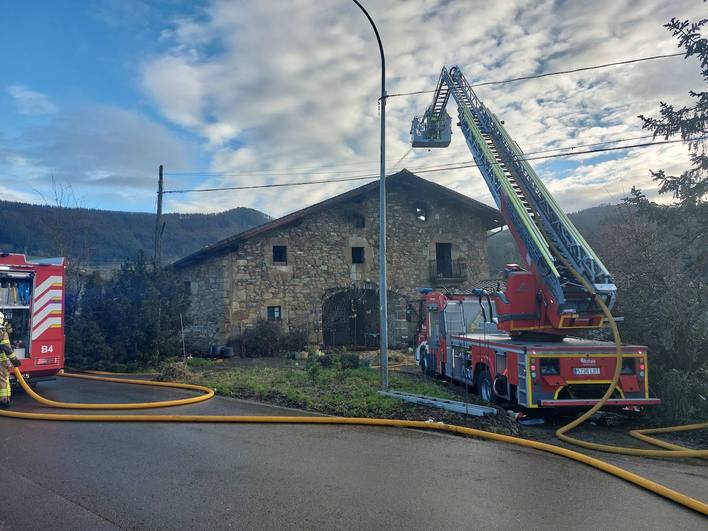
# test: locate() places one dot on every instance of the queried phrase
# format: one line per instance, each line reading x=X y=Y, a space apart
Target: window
x=359 y=221
x=443 y=259
x=187 y=285
x=357 y=255
x=421 y=213
x=274 y=313
x=280 y=254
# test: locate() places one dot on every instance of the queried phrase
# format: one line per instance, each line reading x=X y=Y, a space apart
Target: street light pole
x=383 y=305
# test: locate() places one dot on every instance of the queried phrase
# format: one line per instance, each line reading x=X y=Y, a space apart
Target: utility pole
x=158 y=222
x=158 y=257
x=383 y=290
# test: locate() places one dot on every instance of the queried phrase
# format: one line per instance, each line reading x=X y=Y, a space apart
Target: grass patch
x=334 y=388
x=333 y=391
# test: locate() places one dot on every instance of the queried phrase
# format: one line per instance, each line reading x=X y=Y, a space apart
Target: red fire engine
x=32 y=299
x=517 y=349
x=458 y=339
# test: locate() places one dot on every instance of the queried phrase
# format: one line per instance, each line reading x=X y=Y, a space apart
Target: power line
x=253 y=173
x=558 y=155
x=420 y=170
x=616 y=141
x=547 y=74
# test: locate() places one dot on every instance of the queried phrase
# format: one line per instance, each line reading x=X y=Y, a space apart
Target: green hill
x=106 y=237
x=502 y=249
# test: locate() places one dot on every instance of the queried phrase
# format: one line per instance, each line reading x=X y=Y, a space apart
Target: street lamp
x=383 y=310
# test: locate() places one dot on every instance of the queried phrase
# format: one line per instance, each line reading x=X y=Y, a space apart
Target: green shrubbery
x=684 y=395
x=269 y=339
x=127 y=322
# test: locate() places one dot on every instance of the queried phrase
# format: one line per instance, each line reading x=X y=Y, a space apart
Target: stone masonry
x=233 y=287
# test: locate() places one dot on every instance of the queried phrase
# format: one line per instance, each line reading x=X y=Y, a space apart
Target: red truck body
x=32 y=300
x=454 y=342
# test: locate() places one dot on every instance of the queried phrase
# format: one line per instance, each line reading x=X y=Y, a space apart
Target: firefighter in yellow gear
x=7 y=361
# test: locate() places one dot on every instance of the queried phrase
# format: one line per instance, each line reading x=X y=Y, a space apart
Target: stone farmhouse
x=316 y=269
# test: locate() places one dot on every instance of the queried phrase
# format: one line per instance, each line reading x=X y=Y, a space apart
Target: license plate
x=586 y=370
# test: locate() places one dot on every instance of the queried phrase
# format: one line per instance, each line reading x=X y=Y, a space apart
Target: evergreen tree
x=688 y=215
x=130 y=320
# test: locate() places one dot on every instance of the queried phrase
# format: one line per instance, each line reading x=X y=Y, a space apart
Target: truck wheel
x=484 y=386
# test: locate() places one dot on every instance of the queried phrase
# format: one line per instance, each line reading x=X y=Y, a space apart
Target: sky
x=94 y=96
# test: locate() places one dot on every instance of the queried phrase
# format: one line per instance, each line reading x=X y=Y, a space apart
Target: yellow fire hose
x=626 y=475
x=672 y=450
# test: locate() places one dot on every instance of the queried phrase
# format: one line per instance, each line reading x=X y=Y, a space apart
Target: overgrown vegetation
x=127 y=322
x=331 y=384
x=660 y=254
x=269 y=339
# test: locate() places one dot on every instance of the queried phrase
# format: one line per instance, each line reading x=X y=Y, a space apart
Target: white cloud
x=30 y=102
x=105 y=153
x=275 y=88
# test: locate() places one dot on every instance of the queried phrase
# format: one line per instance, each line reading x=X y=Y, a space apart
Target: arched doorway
x=350 y=317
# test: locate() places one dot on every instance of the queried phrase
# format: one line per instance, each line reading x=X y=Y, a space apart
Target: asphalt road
x=143 y=476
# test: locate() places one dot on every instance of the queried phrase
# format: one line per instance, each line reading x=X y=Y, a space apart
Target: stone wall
x=208 y=302
x=235 y=291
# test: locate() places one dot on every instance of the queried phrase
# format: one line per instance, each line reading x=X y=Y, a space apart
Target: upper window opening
x=357 y=255
x=280 y=254
x=421 y=213
x=359 y=221
x=274 y=313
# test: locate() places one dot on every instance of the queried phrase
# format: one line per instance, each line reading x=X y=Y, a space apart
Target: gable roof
x=490 y=216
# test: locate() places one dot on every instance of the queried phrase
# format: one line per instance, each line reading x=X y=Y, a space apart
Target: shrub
x=269 y=339
x=294 y=340
x=313 y=371
x=684 y=395
x=349 y=360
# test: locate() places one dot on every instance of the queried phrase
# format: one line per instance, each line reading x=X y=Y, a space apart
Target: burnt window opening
x=188 y=285
x=280 y=254
x=421 y=213
x=357 y=255
x=274 y=313
x=359 y=221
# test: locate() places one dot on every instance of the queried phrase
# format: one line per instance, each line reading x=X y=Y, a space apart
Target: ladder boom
x=530 y=211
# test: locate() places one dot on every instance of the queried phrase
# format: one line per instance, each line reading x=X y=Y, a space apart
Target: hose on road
x=672 y=450
x=626 y=475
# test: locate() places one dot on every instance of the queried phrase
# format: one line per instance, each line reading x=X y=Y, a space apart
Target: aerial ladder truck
x=521 y=350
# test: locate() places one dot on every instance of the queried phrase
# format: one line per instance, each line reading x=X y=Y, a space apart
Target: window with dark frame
x=274 y=313
x=188 y=285
x=421 y=213
x=280 y=254
x=357 y=255
x=359 y=221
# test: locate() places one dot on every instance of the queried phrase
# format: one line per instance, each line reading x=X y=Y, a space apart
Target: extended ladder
x=517 y=191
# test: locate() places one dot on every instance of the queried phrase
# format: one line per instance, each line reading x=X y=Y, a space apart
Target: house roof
x=491 y=216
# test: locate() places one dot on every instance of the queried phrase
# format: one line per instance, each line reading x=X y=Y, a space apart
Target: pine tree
x=688 y=215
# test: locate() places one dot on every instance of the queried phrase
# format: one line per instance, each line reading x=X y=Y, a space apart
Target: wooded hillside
x=590 y=222
x=109 y=236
